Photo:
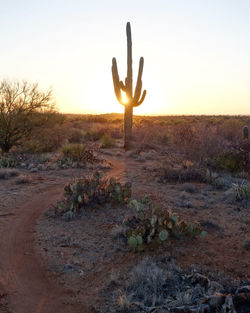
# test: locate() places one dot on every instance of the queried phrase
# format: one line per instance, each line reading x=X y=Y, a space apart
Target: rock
x=130 y=154
x=213 y=286
x=243 y=289
x=187 y=204
x=241 y=301
x=41 y=167
x=67 y=268
x=228 y=306
x=221 y=183
x=216 y=300
x=247 y=244
x=30 y=166
x=140 y=159
x=68 y=216
x=229 y=196
x=200 y=279
x=34 y=170
x=184 y=195
x=150 y=155
x=54 y=166
x=204 y=308
x=189 y=188
x=89 y=166
x=23 y=165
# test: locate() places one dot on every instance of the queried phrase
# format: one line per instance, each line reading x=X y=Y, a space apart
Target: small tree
x=19 y=103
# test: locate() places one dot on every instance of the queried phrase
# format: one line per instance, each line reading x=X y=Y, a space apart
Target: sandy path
x=21 y=272
x=23 y=276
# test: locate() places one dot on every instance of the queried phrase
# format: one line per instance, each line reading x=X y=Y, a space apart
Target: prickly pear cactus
x=96 y=189
x=150 y=226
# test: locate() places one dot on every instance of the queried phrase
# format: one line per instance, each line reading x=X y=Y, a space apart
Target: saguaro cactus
x=132 y=99
x=245 y=132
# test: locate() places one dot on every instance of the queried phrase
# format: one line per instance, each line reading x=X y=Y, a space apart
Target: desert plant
x=132 y=100
x=94 y=190
x=81 y=153
x=7 y=161
x=241 y=190
x=151 y=225
x=76 y=136
x=107 y=141
x=245 y=132
x=20 y=104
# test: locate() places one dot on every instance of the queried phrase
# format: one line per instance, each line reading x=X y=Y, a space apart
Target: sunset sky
x=196 y=52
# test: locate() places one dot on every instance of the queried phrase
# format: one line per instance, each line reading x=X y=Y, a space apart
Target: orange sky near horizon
x=196 y=53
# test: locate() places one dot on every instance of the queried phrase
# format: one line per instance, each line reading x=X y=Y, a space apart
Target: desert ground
x=78 y=260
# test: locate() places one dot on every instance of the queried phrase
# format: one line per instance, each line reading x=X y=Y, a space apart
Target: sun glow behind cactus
x=196 y=56
x=124 y=97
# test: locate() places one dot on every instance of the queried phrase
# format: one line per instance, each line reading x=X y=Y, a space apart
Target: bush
x=94 y=135
x=76 y=136
x=7 y=162
x=21 y=104
x=45 y=140
x=184 y=174
x=82 y=153
x=107 y=141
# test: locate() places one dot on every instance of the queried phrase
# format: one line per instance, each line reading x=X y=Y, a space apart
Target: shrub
x=242 y=191
x=76 y=136
x=183 y=174
x=21 y=104
x=82 y=153
x=94 y=135
x=7 y=162
x=107 y=141
x=94 y=190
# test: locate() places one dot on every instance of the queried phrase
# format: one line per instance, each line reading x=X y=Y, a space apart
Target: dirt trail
x=23 y=277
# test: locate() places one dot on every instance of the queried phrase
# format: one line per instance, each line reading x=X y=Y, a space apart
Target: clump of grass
x=76 y=136
x=8 y=173
x=242 y=191
x=107 y=141
x=94 y=134
x=6 y=162
x=159 y=286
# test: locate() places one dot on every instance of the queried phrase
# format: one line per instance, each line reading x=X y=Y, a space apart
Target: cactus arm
x=141 y=100
x=116 y=81
x=123 y=87
x=138 y=88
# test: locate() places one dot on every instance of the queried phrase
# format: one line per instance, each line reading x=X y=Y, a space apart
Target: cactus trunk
x=128 y=123
x=132 y=100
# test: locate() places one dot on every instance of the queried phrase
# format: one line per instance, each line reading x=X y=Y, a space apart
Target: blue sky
x=197 y=53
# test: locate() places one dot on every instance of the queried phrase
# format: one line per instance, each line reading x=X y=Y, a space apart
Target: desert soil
x=48 y=265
